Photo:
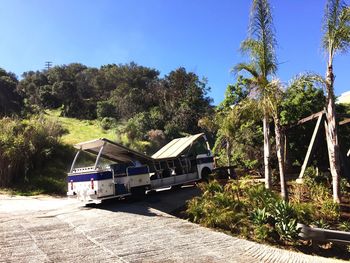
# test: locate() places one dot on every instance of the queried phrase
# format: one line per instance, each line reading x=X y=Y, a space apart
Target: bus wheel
x=205 y=174
x=138 y=192
x=175 y=187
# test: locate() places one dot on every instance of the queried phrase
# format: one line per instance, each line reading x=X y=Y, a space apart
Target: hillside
x=81 y=130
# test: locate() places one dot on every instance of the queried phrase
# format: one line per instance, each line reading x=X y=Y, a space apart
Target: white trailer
x=183 y=160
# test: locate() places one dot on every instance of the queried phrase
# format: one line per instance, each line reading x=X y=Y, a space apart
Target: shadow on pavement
x=172 y=201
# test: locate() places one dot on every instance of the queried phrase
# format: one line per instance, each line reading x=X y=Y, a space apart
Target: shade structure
x=176 y=147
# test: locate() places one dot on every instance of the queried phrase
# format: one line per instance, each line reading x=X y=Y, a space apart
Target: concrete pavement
x=49 y=229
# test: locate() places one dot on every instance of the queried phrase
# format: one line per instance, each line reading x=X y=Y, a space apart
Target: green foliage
x=173 y=104
x=82 y=130
x=105 y=109
x=336 y=27
x=345 y=226
x=217 y=207
x=108 y=123
x=10 y=100
x=313 y=199
x=262 y=232
x=305 y=212
x=25 y=147
x=329 y=210
x=235 y=93
x=301 y=99
x=261 y=198
x=321 y=223
x=260 y=216
x=286 y=221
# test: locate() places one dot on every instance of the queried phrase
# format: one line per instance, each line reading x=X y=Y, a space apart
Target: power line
x=48 y=65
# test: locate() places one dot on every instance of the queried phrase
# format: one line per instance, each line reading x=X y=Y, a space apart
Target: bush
x=260 y=197
x=329 y=210
x=108 y=123
x=305 y=212
x=25 y=147
x=217 y=208
x=286 y=221
x=106 y=109
x=345 y=226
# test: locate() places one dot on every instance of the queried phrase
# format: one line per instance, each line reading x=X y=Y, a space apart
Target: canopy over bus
x=112 y=151
x=119 y=153
x=176 y=147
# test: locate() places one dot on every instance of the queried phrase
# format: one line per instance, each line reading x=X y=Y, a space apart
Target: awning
x=112 y=151
x=176 y=147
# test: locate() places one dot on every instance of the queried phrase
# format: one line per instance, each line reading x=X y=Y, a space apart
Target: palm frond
x=262 y=30
x=308 y=78
x=336 y=27
x=250 y=68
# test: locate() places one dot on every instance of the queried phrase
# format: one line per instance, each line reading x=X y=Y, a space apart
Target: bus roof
x=117 y=152
x=176 y=147
x=112 y=151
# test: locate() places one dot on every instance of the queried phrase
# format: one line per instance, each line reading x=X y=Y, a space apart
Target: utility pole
x=48 y=65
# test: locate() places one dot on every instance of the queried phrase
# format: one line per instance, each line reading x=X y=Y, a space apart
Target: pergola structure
x=320 y=116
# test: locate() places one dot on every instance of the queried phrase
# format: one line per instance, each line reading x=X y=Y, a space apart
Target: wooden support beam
x=345 y=121
x=309 y=118
x=311 y=145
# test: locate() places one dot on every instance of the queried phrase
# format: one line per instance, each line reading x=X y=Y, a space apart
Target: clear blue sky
x=201 y=35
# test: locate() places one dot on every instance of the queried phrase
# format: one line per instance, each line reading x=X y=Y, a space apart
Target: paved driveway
x=46 y=229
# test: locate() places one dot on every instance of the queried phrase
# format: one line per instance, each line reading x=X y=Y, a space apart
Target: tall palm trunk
x=280 y=156
x=266 y=130
x=332 y=138
x=228 y=152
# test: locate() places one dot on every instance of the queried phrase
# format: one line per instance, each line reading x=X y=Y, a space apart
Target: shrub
x=108 y=123
x=25 y=147
x=286 y=221
x=105 y=109
x=305 y=212
x=195 y=209
x=260 y=216
x=321 y=223
x=329 y=210
x=262 y=232
x=217 y=208
x=345 y=226
x=260 y=197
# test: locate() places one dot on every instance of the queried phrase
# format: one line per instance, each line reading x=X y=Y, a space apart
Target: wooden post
x=309 y=150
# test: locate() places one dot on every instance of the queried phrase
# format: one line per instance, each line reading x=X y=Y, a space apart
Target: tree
x=260 y=46
x=10 y=101
x=183 y=101
x=303 y=96
x=336 y=38
x=274 y=97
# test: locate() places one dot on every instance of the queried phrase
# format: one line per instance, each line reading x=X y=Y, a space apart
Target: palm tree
x=260 y=46
x=336 y=38
x=274 y=97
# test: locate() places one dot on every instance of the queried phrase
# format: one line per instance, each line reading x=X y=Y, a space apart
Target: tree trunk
x=228 y=152
x=266 y=130
x=332 y=140
x=280 y=156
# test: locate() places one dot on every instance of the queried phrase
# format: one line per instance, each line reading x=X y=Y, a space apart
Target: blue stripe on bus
x=137 y=170
x=205 y=160
x=87 y=177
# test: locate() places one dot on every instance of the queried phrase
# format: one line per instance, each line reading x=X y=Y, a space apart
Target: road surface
x=47 y=229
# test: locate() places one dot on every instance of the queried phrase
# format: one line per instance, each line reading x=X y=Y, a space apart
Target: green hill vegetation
x=81 y=130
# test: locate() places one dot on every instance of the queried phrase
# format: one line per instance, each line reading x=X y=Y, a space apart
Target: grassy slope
x=81 y=130
x=51 y=178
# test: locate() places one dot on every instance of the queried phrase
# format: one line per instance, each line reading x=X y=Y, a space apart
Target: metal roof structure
x=176 y=147
x=112 y=151
x=117 y=152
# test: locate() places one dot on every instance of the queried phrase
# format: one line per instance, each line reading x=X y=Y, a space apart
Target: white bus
x=118 y=171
